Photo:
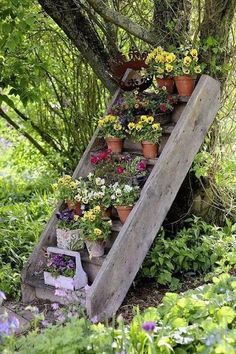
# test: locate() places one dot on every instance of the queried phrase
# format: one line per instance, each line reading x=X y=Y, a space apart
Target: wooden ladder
x=112 y=275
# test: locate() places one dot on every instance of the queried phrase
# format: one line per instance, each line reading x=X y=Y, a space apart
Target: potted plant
x=159 y=104
x=95 y=230
x=124 y=197
x=64 y=269
x=148 y=133
x=186 y=69
x=66 y=189
x=121 y=168
x=114 y=132
x=67 y=231
x=160 y=64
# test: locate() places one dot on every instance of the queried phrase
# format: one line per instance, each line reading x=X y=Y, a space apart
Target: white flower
x=99 y=181
x=118 y=192
x=127 y=188
x=90 y=176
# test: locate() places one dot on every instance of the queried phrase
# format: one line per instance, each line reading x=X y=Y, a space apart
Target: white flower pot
x=79 y=280
x=95 y=248
x=69 y=239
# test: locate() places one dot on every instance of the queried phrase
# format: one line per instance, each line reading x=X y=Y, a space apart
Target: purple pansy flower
x=149 y=326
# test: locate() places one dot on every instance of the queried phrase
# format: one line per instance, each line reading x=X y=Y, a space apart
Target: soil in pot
x=115 y=144
x=185 y=84
x=168 y=82
x=150 y=150
x=123 y=212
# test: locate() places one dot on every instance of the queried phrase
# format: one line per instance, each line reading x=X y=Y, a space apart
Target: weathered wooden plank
x=136 y=236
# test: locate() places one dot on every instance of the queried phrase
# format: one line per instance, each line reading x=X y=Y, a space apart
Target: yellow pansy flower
x=76 y=217
x=97 y=209
x=187 y=60
x=143 y=119
x=138 y=126
x=150 y=119
x=97 y=232
x=117 y=126
x=194 y=53
x=131 y=126
x=197 y=69
x=160 y=58
x=156 y=126
x=169 y=67
x=170 y=57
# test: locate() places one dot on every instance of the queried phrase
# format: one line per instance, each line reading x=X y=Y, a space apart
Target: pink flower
x=163 y=107
x=94 y=160
x=120 y=170
x=142 y=165
x=103 y=155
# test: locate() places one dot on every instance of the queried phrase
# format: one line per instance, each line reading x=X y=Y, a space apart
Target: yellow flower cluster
x=160 y=56
x=66 y=181
x=144 y=120
x=191 y=57
x=91 y=214
x=107 y=119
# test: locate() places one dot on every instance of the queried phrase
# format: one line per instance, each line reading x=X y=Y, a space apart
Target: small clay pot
x=115 y=144
x=75 y=206
x=95 y=248
x=150 y=150
x=168 y=82
x=123 y=212
x=106 y=212
x=185 y=84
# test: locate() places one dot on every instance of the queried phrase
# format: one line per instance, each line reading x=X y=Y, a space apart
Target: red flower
x=103 y=155
x=163 y=107
x=141 y=166
x=120 y=170
x=94 y=160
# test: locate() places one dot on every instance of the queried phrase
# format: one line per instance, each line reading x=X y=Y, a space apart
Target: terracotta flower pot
x=115 y=144
x=168 y=82
x=75 y=206
x=95 y=248
x=106 y=212
x=123 y=212
x=150 y=150
x=185 y=84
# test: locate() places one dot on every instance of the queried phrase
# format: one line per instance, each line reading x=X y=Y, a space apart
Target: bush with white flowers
x=124 y=194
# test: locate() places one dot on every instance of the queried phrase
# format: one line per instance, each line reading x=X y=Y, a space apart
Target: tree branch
x=122 y=21
x=71 y=19
x=26 y=135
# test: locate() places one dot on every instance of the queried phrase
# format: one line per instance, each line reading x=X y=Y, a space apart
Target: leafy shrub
x=199 y=321
x=26 y=201
x=198 y=249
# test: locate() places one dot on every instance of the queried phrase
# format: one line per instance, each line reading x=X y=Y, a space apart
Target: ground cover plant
x=196 y=250
x=198 y=321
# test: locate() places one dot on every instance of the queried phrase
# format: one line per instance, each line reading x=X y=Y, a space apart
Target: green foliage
x=25 y=205
x=199 y=321
x=199 y=249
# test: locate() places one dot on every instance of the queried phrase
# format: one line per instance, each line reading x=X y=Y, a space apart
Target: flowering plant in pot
x=64 y=269
x=124 y=197
x=186 y=69
x=120 y=168
x=66 y=189
x=99 y=194
x=148 y=133
x=160 y=64
x=95 y=230
x=114 y=132
x=67 y=232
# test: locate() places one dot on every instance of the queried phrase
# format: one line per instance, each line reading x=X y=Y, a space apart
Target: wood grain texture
x=136 y=236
